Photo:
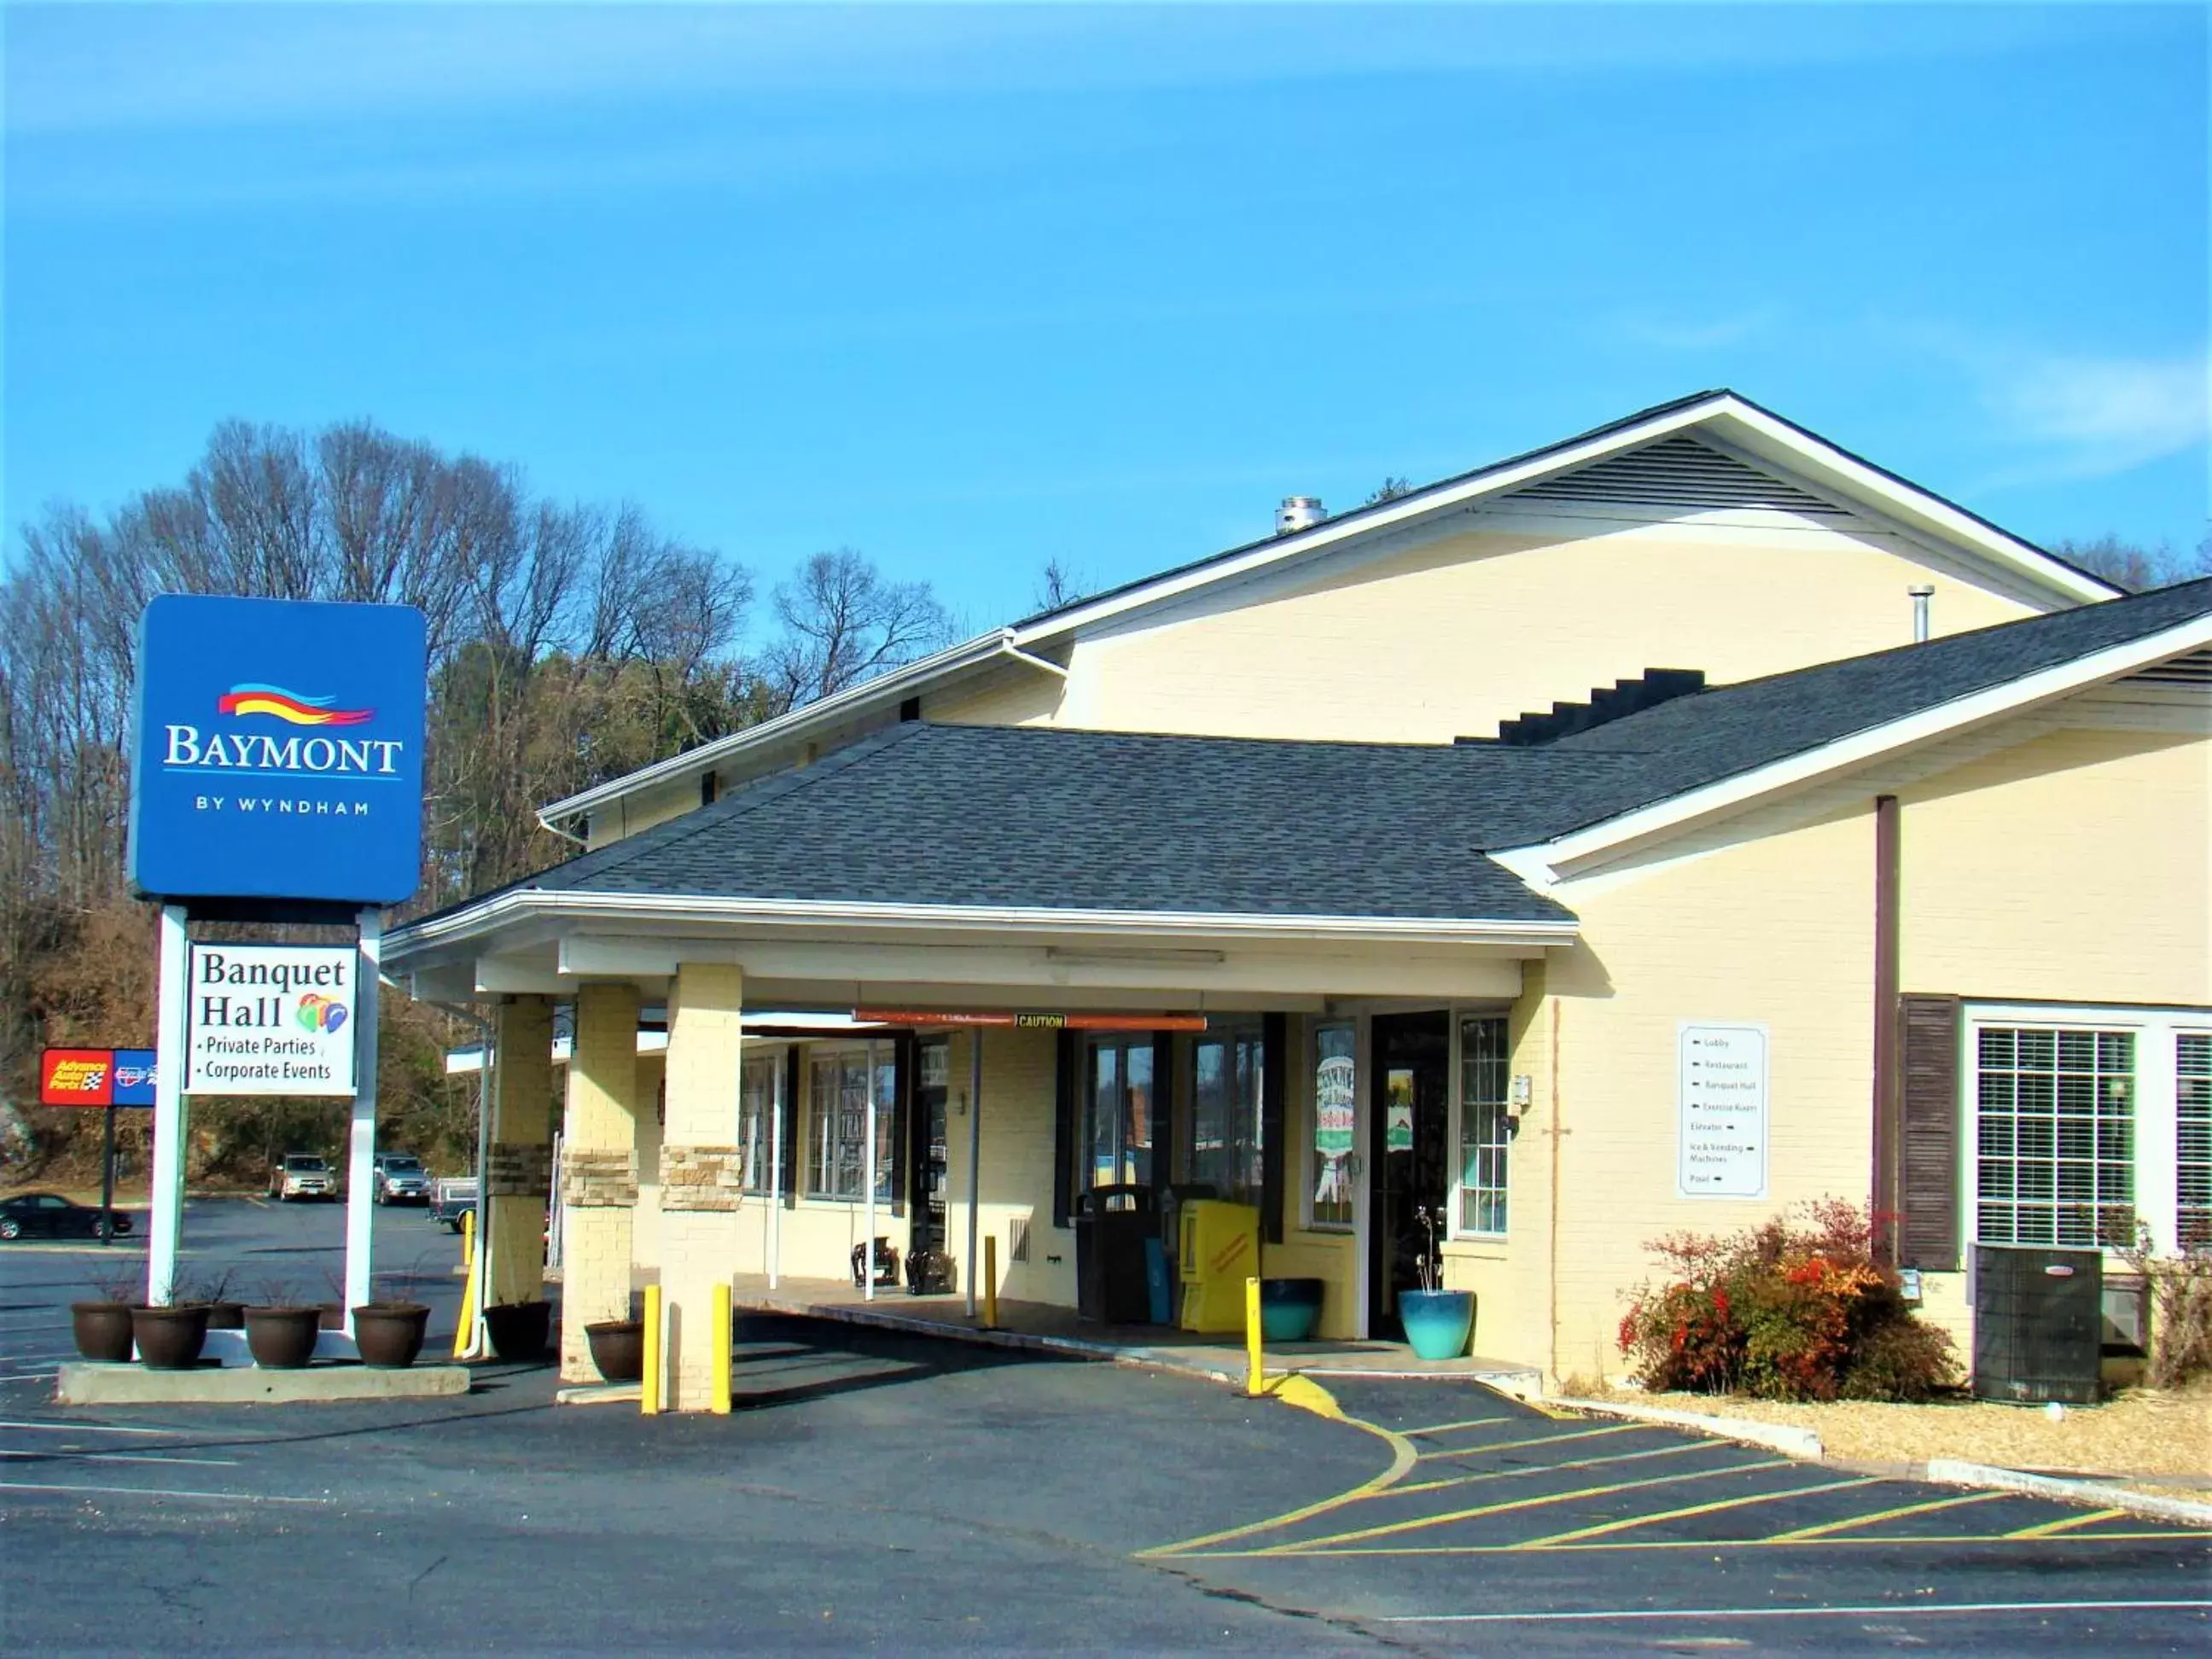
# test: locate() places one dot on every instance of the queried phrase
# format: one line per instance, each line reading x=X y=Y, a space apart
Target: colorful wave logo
x=251 y=698
x=321 y=1013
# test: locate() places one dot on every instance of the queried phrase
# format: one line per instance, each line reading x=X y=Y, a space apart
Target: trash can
x=1220 y=1250
x=1111 y=1226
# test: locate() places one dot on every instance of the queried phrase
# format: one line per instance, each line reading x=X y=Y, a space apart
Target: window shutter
x=1929 y=1187
x=1274 y=1077
x=793 y=1077
x=1063 y=1126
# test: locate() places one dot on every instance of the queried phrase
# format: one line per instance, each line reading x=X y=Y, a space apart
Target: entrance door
x=1410 y=1164
x=926 y=1186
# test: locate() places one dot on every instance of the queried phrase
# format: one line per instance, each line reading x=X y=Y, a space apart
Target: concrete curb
x=1955 y=1472
x=1775 y=1437
x=599 y=1393
x=88 y=1384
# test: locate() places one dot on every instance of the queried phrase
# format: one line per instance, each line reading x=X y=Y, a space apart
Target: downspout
x=1558 y=1132
x=1884 y=1217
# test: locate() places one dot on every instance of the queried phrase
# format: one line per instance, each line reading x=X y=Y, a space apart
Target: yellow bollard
x=1255 y=1372
x=648 y=1386
x=724 y=1336
x=465 y=1327
x=991 y=1281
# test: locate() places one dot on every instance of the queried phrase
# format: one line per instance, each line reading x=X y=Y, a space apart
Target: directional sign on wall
x=1721 y=1110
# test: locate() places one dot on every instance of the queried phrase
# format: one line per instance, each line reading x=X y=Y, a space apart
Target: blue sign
x=276 y=751
x=134 y=1076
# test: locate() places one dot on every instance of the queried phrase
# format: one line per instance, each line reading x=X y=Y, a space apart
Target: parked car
x=452 y=1199
x=399 y=1178
x=49 y=1215
x=302 y=1175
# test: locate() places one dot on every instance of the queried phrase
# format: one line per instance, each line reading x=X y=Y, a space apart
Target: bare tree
x=1058 y=586
x=842 y=623
x=1389 y=490
x=2131 y=566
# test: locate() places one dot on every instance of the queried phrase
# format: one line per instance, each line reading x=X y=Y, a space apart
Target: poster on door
x=1722 y=1109
x=1398 y=1111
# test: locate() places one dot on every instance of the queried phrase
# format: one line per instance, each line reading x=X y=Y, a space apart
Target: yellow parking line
x=1534 y=1440
x=2065 y=1523
x=1606 y=1527
x=1449 y=1428
x=1390 y=1527
x=1708 y=1544
x=1897 y=1514
x=1551 y=1469
x=1402 y=1457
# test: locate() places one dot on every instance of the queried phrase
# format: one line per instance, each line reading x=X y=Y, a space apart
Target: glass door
x=1410 y=1158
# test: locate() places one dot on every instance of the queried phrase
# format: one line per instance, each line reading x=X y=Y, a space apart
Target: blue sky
x=971 y=289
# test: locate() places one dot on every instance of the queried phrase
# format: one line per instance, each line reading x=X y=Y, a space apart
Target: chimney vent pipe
x=1299 y=512
x=1921 y=593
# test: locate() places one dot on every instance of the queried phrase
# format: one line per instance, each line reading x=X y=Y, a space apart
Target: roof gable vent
x=2194 y=669
x=1681 y=474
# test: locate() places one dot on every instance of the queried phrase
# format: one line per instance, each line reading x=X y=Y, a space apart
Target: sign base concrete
x=89 y=1384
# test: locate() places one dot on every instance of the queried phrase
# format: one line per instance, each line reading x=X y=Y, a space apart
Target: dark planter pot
x=169 y=1339
x=102 y=1330
x=389 y=1334
x=281 y=1339
x=1289 y=1309
x=226 y=1316
x=618 y=1349
x=332 y=1314
x=519 y=1330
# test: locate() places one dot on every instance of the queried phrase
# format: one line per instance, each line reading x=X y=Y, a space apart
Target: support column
x=701 y=1169
x=518 y=1173
x=599 y=1171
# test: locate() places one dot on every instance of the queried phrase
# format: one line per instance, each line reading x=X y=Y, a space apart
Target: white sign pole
x=776 y=1175
x=168 y=1178
x=868 y=1226
x=360 y=1212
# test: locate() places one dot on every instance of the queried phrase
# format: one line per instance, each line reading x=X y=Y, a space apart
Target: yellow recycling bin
x=1219 y=1250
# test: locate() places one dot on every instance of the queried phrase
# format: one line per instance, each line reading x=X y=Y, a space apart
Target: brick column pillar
x=599 y=1171
x=519 y=1176
x=701 y=1168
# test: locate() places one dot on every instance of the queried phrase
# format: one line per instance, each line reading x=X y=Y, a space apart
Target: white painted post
x=361 y=1211
x=167 y=1192
x=868 y=1226
x=974 y=1154
x=775 y=1173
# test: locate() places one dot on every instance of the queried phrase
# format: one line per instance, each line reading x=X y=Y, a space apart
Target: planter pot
x=226 y=1316
x=169 y=1339
x=389 y=1334
x=1438 y=1323
x=1289 y=1309
x=519 y=1330
x=281 y=1339
x=618 y=1349
x=102 y=1330
x=332 y=1314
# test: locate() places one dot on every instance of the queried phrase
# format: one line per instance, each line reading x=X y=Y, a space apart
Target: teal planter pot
x=1289 y=1309
x=1438 y=1323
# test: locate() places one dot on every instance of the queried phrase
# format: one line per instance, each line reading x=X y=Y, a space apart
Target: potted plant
x=617 y=1348
x=1289 y=1309
x=387 y=1332
x=170 y=1338
x=1438 y=1321
x=102 y=1325
x=211 y=1291
x=280 y=1330
x=519 y=1330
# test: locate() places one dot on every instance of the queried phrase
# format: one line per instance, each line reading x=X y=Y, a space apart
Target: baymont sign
x=277 y=751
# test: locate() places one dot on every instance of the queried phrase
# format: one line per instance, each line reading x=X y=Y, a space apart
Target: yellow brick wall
x=697 y=1249
x=522 y=1086
x=1447 y=640
x=603 y=1104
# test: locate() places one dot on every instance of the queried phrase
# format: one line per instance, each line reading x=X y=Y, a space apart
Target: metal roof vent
x=1299 y=512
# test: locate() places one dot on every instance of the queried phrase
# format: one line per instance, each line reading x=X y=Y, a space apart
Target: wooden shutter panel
x=1929 y=1184
x=1274 y=1078
x=1064 y=1129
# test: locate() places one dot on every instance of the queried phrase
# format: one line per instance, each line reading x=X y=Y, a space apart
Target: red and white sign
x=76 y=1077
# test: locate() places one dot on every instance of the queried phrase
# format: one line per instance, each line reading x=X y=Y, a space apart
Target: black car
x=30 y=1215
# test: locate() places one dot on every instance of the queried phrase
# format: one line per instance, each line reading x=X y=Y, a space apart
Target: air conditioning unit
x=2038 y=1323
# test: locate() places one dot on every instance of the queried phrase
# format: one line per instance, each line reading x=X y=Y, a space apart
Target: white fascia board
x=1544 y=864
x=531 y=904
x=894 y=687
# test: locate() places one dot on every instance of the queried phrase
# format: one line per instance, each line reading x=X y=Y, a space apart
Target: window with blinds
x=2054 y=1135
x=2192 y=1092
x=1485 y=1127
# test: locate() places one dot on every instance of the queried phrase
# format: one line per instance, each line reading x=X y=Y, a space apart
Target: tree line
x=568 y=643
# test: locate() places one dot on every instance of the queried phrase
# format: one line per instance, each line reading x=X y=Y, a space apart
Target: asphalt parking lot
x=877 y=1491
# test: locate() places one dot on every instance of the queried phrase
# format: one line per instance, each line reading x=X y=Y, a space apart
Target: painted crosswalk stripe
x=85 y=1428
x=154 y=1491
x=72 y=1456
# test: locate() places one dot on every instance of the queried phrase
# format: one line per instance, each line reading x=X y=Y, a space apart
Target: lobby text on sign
x=1721 y=1110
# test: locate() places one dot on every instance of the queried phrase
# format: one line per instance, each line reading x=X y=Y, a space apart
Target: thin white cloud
x=2113 y=412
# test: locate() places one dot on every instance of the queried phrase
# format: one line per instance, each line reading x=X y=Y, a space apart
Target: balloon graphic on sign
x=321 y=1013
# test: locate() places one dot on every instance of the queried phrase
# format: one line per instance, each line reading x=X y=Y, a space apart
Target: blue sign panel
x=134 y=1076
x=277 y=751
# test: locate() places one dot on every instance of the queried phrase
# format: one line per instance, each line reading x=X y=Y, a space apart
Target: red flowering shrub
x=1793 y=1309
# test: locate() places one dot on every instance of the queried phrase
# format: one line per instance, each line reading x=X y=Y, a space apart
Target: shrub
x=1794 y=1308
x=2180 y=1289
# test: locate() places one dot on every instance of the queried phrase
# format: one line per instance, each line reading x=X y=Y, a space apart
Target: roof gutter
x=893 y=688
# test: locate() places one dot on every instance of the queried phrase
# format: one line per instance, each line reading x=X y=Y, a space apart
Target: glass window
x=1222 y=1136
x=1335 y=1094
x=1486 y=1128
x=2192 y=1064
x=759 y=1080
x=836 y=1145
x=1117 y=1113
x=2054 y=1136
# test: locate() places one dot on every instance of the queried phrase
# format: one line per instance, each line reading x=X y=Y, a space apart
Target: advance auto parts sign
x=276 y=751
x=270 y=1019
